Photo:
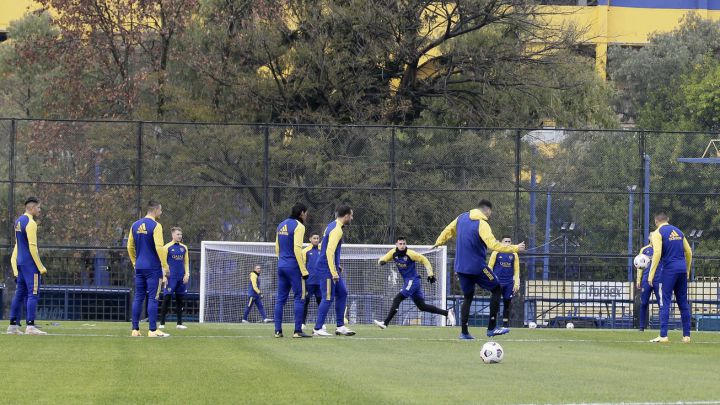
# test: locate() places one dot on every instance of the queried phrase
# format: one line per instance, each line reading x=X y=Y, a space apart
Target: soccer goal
x=225 y=274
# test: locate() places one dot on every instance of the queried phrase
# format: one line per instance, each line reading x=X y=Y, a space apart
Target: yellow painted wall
x=607 y=25
x=12 y=10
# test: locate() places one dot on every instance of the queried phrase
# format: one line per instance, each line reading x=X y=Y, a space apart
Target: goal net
x=225 y=275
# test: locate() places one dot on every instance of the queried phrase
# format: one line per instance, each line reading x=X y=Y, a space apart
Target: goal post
x=225 y=275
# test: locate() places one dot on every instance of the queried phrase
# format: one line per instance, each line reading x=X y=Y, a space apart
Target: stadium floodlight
x=572 y=226
x=692 y=233
x=225 y=274
x=699 y=233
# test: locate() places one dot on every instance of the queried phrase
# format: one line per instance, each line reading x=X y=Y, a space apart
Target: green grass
x=215 y=363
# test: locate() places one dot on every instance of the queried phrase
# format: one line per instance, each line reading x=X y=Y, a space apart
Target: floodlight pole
x=533 y=220
x=646 y=197
x=546 y=248
x=631 y=206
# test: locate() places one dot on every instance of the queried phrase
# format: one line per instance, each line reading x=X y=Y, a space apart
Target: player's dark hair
x=661 y=216
x=399 y=238
x=315 y=234
x=484 y=204
x=506 y=236
x=175 y=228
x=32 y=200
x=343 y=210
x=152 y=205
x=297 y=210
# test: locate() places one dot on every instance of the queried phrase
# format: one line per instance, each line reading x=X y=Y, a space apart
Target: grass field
x=218 y=363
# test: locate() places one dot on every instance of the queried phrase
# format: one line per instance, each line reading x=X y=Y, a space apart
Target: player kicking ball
x=405 y=260
x=473 y=238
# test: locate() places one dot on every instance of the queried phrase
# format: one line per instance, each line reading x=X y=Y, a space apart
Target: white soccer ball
x=532 y=325
x=570 y=325
x=492 y=352
x=641 y=261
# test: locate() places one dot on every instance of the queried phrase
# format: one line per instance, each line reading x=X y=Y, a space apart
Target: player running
x=27 y=269
x=255 y=296
x=291 y=268
x=405 y=259
x=646 y=289
x=312 y=284
x=473 y=238
x=671 y=250
x=149 y=258
x=506 y=267
x=178 y=258
x=332 y=285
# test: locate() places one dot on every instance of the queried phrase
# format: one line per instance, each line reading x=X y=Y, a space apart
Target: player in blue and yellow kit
x=149 y=259
x=332 y=285
x=178 y=259
x=27 y=269
x=506 y=267
x=405 y=259
x=646 y=289
x=291 y=268
x=671 y=250
x=312 y=284
x=473 y=238
x=255 y=296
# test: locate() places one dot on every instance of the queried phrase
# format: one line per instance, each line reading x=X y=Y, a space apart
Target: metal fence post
x=139 y=169
x=11 y=178
x=266 y=182
x=392 y=202
x=518 y=146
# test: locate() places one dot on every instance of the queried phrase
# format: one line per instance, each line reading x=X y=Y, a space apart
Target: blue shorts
x=486 y=280
x=313 y=290
x=175 y=285
x=507 y=291
x=412 y=288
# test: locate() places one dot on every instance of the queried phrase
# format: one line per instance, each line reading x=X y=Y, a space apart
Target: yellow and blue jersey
x=406 y=262
x=254 y=285
x=473 y=237
x=506 y=267
x=178 y=259
x=289 y=245
x=145 y=245
x=330 y=250
x=671 y=251
x=312 y=254
x=26 y=251
x=642 y=276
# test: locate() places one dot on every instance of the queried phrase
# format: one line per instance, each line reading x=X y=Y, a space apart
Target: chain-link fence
x=577 y=197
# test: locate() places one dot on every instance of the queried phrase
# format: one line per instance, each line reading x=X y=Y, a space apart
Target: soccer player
x=405 y=259
x=645 y=288
x=312 y=284
x=255 y=296
x=671 y=250
x=332 y=285
x=291 y=268
x=473 y=238
x=506 y=267
x=27 y=269
x=147 y=253
x=178 y=259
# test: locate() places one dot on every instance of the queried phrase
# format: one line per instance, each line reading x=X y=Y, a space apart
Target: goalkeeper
x=473 y=238
x=646 y=290
x=405 y=260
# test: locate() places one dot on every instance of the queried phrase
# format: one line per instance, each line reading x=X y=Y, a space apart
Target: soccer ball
x=491 y=352
x=532 y=325
x=641 y=261
x=570 y=325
